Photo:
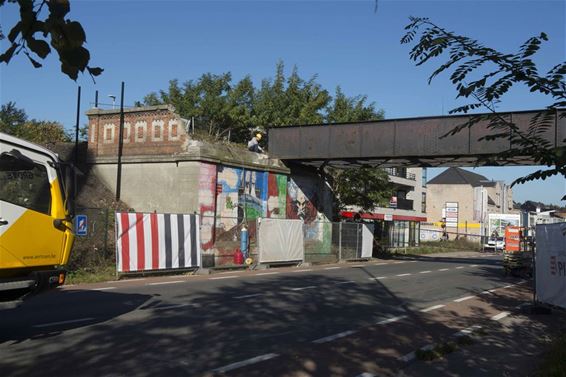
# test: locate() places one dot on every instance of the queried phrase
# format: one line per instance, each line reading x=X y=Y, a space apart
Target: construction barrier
x=550 y=260
x=151 y=241
x=280 y=240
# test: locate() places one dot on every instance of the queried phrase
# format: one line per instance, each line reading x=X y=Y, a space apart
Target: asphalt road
x=191 y=325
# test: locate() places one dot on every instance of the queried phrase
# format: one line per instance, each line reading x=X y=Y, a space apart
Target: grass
x=554 y=363
x=441 y=247
x=91 y=275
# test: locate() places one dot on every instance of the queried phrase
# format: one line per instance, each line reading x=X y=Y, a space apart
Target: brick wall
x=153 y=130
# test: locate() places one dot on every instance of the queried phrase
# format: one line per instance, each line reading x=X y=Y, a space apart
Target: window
x=26 y=188
x=423 y=203
x=424 y=178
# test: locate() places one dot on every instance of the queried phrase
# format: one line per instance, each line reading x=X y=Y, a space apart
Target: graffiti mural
x=306 y=200
x=276 y=196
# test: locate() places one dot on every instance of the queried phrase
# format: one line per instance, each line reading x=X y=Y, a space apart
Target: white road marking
x=492 y=290
x=103 y=289
x=508 y=286
x=302 y=288
x=425 y=272
x=175 y=306
x=500 y=316
x=224 y=277
x=307 y=270
x=64 y=322
x=333 y=337
x=167 y=282
x=412 y=261
x=248 y=296
x=391 y=320
x=378 y=278
x=443 y=269
x=267 y=273
x=346 y=282
x=398 y=262
x=332 y=268
x=380 y=264
x=366 y=374
x=431 y=308
x=357 y=265
x=243 y=363
x=464 y=298
x=403 y=275
x=229 y=272
x=474 y=265
x=459 y=267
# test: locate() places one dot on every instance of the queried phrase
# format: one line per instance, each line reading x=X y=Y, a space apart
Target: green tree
x=43 y=21
x=11 y=117
x=351 y=109
x=364 y=187
x=485 y=75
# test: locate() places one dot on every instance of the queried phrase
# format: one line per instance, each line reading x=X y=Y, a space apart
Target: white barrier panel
x=280 y=240
x=550 y=261
x=367 y=240
x=151 y=241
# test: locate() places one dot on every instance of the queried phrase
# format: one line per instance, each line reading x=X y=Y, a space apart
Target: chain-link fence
x=96 y=247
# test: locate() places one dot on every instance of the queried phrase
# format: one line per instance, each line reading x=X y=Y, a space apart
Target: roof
x=458 y=176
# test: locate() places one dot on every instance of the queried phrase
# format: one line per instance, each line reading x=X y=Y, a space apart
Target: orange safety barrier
x=513 y=238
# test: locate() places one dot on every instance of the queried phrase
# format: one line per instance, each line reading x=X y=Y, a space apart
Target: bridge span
x=411 y=142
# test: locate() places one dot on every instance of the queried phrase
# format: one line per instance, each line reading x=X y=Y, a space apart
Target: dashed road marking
x=357 y=265
x=176 y=306
x=431 y=308
x=103 y=289
x=302 y=288
x=248 y=296
x=306 y=270
x=332 y=268
x=400 y=262
x=267 y=273
x=346 y=282
x=243 y=363
x=167 y=282
x=508 y=286
x=224 y=277
x=64 y=322
x=474 y=265
x=443 y=269
x=403 y=275
x=378 y=278
x=464 y=298
x=459 y=267
x=425 y=272
x=333 y=337
x=500 y=316
x=391 y=320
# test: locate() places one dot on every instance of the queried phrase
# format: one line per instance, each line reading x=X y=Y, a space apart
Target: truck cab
x=35 y=218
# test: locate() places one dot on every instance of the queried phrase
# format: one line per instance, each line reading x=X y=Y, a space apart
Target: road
x=234 y=322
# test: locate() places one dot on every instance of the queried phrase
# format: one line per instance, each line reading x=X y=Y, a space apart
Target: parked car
x=495 y=244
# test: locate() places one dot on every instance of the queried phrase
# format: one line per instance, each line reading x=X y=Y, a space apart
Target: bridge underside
x=415 y=142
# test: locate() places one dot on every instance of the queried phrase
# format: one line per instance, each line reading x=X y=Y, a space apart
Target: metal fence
x=96 y=247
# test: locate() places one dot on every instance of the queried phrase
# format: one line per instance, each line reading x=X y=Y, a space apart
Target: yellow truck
x=36 y=218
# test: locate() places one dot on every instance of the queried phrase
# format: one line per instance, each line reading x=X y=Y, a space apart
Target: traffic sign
x=81 y=225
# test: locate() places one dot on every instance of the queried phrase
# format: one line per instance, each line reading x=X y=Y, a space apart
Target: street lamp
x=113 y=97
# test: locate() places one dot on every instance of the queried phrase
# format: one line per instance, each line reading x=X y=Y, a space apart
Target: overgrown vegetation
x=14 y=121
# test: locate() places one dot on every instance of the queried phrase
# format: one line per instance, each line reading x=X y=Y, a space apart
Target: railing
x=401 y=173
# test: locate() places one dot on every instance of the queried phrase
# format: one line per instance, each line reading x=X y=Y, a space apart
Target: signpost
x=81 y=225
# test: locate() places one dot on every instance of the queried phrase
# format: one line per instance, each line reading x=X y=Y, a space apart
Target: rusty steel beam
x=411 y=142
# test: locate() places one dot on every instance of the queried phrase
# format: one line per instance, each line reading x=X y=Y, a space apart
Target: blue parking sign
x=81 y=225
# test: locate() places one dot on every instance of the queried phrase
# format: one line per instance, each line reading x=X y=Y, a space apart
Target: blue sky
x=346 y=43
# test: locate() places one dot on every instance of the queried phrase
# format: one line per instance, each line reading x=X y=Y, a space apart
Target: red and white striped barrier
x=151 y=241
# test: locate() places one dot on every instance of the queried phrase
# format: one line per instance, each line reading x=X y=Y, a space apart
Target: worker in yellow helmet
x=253 y=144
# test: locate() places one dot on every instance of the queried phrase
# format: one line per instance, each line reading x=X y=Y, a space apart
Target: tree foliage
x=15 y=122
x=43 y=26
x=485 y=75
x=365 y=187
x=220 y=106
